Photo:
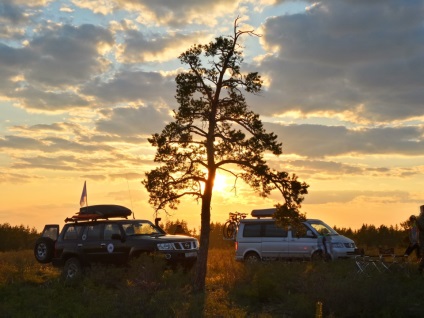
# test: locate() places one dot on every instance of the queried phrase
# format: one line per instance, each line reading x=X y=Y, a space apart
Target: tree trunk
x=202 y=259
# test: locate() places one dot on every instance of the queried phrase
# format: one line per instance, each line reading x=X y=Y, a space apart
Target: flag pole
x=84 y=197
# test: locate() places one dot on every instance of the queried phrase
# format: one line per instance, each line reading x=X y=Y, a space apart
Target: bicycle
x=231 y=225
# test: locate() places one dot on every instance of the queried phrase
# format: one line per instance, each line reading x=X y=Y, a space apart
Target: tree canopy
x=215 y=130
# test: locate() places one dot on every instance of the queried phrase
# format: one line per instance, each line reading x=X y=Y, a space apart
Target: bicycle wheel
x=229 y=229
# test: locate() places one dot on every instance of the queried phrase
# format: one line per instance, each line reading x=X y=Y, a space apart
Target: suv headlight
x=165 y=247
x=338 y=245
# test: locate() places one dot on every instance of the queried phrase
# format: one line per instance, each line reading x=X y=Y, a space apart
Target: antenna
x=129 y=192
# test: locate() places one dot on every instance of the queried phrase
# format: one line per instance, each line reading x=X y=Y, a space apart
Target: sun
x=221 y=183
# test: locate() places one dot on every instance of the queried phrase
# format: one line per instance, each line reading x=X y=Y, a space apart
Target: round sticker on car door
x=110 y=248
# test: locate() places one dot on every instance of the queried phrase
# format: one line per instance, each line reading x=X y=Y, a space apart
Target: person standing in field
x=420 y=224
x=413 y=238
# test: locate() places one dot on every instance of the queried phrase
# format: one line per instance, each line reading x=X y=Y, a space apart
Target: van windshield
x=322 y=228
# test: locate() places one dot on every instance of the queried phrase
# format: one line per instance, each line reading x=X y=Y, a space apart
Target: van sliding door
x=274 y=241
x=300 y=244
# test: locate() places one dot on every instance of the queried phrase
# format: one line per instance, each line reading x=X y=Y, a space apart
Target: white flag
x=83 y=201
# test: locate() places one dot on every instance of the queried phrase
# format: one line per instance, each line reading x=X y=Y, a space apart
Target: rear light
x=236 y=245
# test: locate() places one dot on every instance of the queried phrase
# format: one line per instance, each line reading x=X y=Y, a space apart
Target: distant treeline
x=13 y=238
x=21 y=237
x=382 y=236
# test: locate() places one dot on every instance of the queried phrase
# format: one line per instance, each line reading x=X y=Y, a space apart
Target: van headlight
x=165 y=247
x=338 y=245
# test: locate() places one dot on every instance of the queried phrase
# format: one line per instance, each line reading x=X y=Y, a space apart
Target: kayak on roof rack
x=101 y=211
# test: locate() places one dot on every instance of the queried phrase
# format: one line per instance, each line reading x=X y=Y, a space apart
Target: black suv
x=91 y=236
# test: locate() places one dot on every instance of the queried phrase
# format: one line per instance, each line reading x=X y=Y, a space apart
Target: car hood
x=341 y=239
x=164 y=238
x=174 y=238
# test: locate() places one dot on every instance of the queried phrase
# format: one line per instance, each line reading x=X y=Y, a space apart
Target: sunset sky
x=84 y=83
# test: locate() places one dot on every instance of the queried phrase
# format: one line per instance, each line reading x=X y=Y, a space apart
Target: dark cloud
x=11 y=12
x=130 y=85
x=33 y=98
x=64 y=163
x=40 y=75
x=50 y=145
x=127 y=176
x=17 y=142
x=13 y=178
x=330 y=170
x=67 y=163
x=133 y=121
x=328 y=167
x=13 y=61
x=182 y=12
x=96 y=177
x=366 y=57
x=58 y=127
x=322 y=141
x=326 y=197
x=142 y=47
x=68 y=55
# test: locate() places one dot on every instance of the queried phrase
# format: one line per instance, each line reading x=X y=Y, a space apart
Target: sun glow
x=221 y=183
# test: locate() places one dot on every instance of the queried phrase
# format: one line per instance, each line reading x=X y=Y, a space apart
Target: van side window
x=272 y=230
x=300 y=231
x=252 y=230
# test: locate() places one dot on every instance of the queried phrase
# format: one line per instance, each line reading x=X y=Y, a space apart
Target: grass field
x=278 y=289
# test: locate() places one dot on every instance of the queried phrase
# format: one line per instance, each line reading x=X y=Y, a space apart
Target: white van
x=261 y=239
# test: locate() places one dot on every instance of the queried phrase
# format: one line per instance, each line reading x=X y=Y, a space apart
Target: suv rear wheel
x=43 y=250
x=72 y=269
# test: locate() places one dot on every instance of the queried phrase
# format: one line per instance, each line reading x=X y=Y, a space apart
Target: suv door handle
x=103 y=244
x=79 y=245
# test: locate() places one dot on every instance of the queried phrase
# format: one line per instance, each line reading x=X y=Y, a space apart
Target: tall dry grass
x=233 y=289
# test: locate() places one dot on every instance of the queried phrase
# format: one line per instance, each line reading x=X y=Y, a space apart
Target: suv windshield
x=322 y=228
x=140 y=228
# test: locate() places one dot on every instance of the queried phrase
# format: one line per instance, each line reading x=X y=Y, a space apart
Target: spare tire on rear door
x=44 y=249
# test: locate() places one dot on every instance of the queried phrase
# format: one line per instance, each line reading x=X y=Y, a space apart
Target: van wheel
x=320 y=256
x=43 y=250
x=252 y=257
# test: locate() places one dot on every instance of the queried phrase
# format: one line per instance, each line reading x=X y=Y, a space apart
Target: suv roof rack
x=263 y=213
x=101 y=211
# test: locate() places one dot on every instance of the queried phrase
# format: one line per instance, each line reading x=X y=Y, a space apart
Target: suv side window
x=252 y=230
x=92 y=232
x=111 y=229
x=72 y=232
x=272 y=230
